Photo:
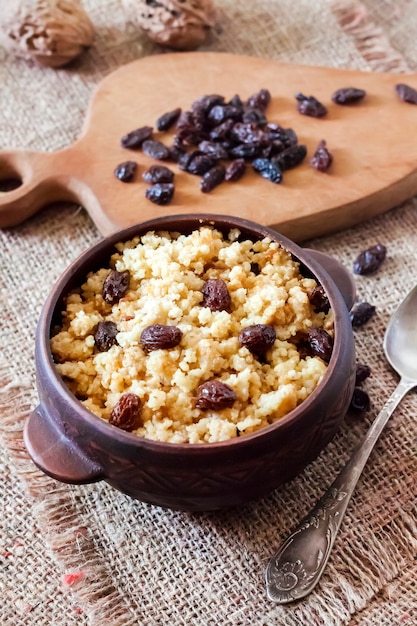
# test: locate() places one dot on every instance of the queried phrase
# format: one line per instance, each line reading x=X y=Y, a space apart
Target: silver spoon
x=296 y=568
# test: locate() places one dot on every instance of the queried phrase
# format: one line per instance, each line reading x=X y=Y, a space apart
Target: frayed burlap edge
x=52 y=505
x=55 y=515
x=375 y=48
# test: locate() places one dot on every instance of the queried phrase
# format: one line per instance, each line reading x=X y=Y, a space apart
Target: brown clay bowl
x=73 y=445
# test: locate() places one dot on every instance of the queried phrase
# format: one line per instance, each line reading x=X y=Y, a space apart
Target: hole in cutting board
x=9 y=184
x=9 y=178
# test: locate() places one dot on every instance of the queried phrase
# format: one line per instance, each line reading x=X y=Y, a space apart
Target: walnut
x=50 y=32
x=177 y=24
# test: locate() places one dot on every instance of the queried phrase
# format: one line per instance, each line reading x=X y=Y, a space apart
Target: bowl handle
x=340 y=275
x=55 y=454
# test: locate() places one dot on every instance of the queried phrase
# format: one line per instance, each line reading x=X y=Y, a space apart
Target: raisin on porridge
x=180 y=340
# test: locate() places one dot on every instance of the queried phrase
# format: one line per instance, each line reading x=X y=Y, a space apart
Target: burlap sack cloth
x=138 y=564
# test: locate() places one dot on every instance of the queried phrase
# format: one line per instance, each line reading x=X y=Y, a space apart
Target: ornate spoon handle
x=295 y=569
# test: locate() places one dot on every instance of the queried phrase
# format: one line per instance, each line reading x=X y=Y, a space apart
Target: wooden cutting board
x=373 y=143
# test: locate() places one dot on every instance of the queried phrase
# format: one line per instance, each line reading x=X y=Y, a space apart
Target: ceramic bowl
x=72 y=445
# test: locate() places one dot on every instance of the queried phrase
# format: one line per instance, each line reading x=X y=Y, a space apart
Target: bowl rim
x=45 y=361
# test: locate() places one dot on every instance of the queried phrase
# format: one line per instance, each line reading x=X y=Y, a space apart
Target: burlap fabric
x=138 y=564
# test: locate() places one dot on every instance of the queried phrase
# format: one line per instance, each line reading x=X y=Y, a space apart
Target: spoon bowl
x=400 y=342
x=297 y=566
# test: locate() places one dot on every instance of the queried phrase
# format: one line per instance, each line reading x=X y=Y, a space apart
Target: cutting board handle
x=37 y=179
x=34 y=180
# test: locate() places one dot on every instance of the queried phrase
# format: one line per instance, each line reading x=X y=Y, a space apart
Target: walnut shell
x=50 y=32
x=177 y=24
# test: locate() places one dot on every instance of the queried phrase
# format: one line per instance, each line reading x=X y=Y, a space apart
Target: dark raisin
x=200 y=164
x=200 y=120
x=322 y=158
x=212 y=178
x=216 y=295
x=221 y=112
x=165 y=121
x=362 y=313
x=105 y=336
x=135 y=139
x=186 y=158
x=160 y=337
x=126 y=171
x=304 y=348
x=236 y=101
x=362 y=373
x=370 y=260
x=247 y=133
x=213 y=149
x=222 y=131
x=189 y=130
x=227 y=144
x=156 y=150
x=273 y=131
x=286 y=136
x=255 y=268
x=158 y=174
x=177 y=151
x=258 y=338
x=235 y=170
x=115 y=286
x=126 y=413
x=268 y=169
x=260 y=99
x=319 y=300
x=273 y=148
x=205 y=103
x=245 y=151
x=360 y=400
x=320 y=342
x=406 y=93
x=254 y=116
x=348 y=95
x=215 y=395
x=160 y=193
x=309 y=105
x=290 y=157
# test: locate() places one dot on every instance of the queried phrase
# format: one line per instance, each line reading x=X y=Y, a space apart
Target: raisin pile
x=216 y=140
x=235 y=131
